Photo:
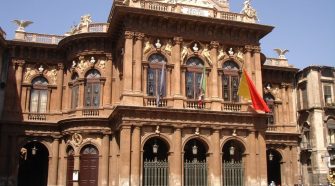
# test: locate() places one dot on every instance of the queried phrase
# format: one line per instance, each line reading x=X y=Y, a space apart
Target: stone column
x=261 y=160
x=258 y=71
x=18 y=79
x=113 y=165
x=214 y=72
x=251 y=169
x=53 y=169
x=76 y=166
x=60 y=78
x=138 y=62
x=178 y=101
x=247 y=58
x=215 y=169
x=124 y=171
x=105 y=160
x=136 y=156
x=62 y=168
x=27 y=100
x=176 y=164
x=108 y=83
x=127 y=62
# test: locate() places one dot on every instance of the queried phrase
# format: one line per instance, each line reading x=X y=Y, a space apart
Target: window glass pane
x=151 y=82
x=234 y=88
x=96 y=95
x=225 y=82
x=34 y=100
x=189 y=85
x=43 y=101
x=327 y=94
x=197 y=87
x=88 y=94
x=74 y=97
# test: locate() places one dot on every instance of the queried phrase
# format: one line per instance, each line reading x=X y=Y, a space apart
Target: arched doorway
x=89 y=166
x=33 y=165
x=195 y=165
x=70 y=166
x=155 y=165
x=232 y=163
x=274 y=159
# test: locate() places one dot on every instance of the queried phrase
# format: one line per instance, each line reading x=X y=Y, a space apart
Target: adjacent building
x=151 y=98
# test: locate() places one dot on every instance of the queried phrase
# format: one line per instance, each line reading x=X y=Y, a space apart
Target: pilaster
x=60 y=78
x=216 y=102
x=138 y=62
x=104 y=160
x=178 y=102
x=53 y=166
x=108 y=83
x=124 y=169
x=135 y=156
x=127 y=62
x=176 y=164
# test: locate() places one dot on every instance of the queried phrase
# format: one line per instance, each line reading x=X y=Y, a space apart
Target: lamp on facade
x=270 y=156
x=194 y=149
x=34 y=150
x=232 y=150
x=155 y=148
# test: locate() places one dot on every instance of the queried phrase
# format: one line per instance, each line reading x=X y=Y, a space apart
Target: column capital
x=18 y=62
x=257 y=49
x=139 y=35
x=60 y=66
x=248 y=48
x=178 y=40
x=129 y=35
x=215 y=44
x=109 y=56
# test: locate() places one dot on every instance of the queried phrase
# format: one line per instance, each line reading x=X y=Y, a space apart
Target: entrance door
x=33 y=165
x=89 y=164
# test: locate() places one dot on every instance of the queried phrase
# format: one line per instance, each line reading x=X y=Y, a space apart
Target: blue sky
x=305 y=27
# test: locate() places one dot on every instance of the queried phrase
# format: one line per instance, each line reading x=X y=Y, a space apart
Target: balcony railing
x=192 y=10
x=42 y=38
x=281 y=128
x=152 y=102
x=98 y=27
x=195 y=104
x=37 y=116
x=90 y=112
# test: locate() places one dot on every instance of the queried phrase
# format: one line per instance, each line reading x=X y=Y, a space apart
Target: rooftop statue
x=249 y=11
x=21 y=24
x=281 y=53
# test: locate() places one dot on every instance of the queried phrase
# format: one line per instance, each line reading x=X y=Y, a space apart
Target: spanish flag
x=248 y=91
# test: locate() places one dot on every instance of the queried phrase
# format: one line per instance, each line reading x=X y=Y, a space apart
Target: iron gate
x=233 y=173
x=195 y=173
x=155 y=173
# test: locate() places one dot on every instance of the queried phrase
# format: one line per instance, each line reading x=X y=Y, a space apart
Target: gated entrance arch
x=33 y=165
x=195 y=166
x=155 y=165
x=273 y=166
x=232 y=163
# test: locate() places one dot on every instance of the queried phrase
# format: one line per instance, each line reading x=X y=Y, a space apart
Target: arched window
x=74 y=91
x=92 y=89
x=39 y=95
x=193 y=77
x=230 y=81
x=156 y=75
x=270 y=101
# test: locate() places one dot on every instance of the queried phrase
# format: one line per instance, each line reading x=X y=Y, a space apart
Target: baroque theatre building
x=149 y=98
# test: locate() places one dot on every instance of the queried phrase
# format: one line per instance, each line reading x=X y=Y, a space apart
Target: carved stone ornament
x=239 y=55
x=249 y=12
x=158 y=45
x=207 y=55
x=82 y=65
x=52 y=74
x=28 y=74
x=222 y=54
x=41 y=69
x=147 y=47
x=102 y=64
x=184 y=53
x=77 y=139
x=168 y=47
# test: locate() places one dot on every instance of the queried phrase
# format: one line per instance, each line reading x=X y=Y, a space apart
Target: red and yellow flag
x=248 y=91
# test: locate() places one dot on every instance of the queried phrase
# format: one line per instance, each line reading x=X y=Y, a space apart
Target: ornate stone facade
x=112 y=106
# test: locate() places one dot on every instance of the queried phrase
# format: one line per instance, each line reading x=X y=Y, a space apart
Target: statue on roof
x=249 y=12
x=85 y=19
x=21 y=24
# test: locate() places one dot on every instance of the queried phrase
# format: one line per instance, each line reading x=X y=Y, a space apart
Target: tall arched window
x=193 y=77
x=156 y=75
x=92 y=89
x=230 y=81
x=39 y=95
x=270 y=101
x=74 y=91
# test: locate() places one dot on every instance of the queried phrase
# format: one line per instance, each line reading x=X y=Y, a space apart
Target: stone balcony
x=196 y=11
x=54 y=39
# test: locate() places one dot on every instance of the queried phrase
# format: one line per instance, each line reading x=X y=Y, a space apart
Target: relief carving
x=222 y=54
x=207 y=55
x=77 y=139
x=82 y=65
x=147 y=47
x=102 y=64
x=52 y=74
x=28 y=74
x=168 y=47
x=184 y=53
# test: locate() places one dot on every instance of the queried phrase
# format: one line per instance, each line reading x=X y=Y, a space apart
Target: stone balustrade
x=281 y=128
x=193 y=10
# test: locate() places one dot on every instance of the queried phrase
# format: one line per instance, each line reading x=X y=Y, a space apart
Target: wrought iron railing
x=155 y=173
x=195 y=173
x=233 y=173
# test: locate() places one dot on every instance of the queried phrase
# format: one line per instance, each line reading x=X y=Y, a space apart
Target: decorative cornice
x=215 y=44
x=18 y=62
